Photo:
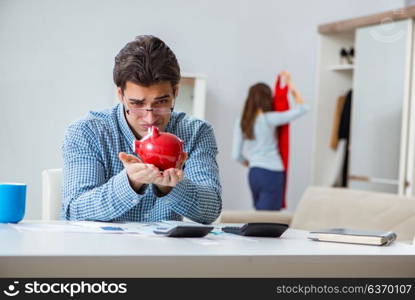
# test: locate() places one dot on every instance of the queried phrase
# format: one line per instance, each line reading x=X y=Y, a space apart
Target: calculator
x=257 y=229
x=184 y=231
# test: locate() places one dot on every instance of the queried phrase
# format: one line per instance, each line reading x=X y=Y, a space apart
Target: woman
x=256 y=130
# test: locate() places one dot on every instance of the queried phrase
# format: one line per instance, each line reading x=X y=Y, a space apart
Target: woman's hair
x=259 y=98
x=145 y=61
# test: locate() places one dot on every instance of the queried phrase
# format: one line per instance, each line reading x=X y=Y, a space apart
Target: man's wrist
x=162 y=190
x=142 y=189
x=137 y=187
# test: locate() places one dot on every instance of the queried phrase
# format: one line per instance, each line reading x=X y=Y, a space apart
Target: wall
x=57 y=57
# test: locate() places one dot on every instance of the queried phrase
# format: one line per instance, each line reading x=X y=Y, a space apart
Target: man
x=105 y=181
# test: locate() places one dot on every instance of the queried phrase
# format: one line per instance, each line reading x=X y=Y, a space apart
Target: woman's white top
x=263 y=150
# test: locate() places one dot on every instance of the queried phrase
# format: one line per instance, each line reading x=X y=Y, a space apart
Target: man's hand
x=170 y=178
x=138 y=172
x=245 y=163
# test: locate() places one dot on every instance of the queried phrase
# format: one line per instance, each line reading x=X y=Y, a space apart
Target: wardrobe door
x=379 y=121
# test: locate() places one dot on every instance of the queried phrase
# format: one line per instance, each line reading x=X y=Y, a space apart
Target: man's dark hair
x=146 y=61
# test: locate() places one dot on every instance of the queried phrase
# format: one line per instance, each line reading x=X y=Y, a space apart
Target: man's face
x=136 y=98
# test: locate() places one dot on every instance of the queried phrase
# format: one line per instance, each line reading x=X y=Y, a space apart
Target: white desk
x=65 y=254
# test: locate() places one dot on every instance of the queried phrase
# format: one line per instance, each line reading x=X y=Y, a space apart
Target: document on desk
x=152 y=228
x=138 y=228
x=76 y=226
x=67 y=227
x=50 y=227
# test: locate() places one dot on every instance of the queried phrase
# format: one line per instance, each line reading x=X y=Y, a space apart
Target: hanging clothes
x=283 y=132
x=334 y=140
x=341 y=132
x=344 y=133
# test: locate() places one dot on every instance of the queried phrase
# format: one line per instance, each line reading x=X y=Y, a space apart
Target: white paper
x=138 y=228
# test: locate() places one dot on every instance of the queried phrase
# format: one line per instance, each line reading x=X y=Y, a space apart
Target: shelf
x=192 y=95
x=345 y=67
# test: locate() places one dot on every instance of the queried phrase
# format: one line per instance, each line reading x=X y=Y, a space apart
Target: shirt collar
x=125 y=128
x=169 y=127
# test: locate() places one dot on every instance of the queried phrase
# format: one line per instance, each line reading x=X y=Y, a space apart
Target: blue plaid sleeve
x=87 y=193
x=198 y=196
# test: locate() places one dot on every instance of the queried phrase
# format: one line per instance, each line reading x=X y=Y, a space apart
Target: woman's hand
x=286 y=77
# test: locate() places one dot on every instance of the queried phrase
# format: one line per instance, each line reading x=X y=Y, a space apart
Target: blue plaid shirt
x=96 y=186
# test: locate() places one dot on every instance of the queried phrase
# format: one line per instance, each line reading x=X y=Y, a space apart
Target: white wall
x=56 y=60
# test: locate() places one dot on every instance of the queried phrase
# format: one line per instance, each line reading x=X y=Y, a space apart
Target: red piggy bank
x=162 y=149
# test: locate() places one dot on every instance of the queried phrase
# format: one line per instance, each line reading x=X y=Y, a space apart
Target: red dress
x=283 y=131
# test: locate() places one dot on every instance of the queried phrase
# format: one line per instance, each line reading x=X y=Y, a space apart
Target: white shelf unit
x=382 y=130
x=330 y=85
x=192 y=95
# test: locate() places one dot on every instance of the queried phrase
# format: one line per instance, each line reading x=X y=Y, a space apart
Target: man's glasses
x=159 y=109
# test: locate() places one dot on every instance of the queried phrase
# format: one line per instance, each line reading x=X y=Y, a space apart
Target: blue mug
x=12 y=202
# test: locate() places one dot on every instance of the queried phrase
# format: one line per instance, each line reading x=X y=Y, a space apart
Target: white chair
x=51 y=194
